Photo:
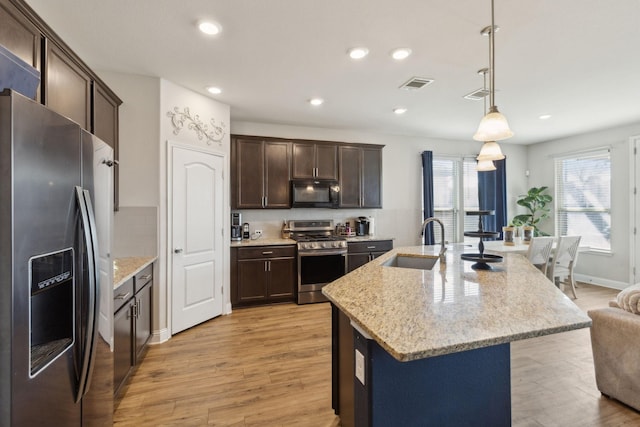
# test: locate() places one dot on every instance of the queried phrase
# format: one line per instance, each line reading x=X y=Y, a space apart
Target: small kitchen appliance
x=236 y=226
x=246 y=233
x=362 y=226
x=314 y=193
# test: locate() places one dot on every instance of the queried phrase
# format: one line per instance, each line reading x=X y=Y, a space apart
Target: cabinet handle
x=269 y=265
x=134 y=310
x=145 y=277
x=138 y=308
x=122 y=296
x=371 y=247
x=265 y=266
x=267 y=252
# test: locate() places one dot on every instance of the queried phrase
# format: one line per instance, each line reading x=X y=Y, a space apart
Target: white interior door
x=196 y=231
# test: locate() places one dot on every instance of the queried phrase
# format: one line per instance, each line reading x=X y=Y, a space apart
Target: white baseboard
x=607 y=283
x=158 y=337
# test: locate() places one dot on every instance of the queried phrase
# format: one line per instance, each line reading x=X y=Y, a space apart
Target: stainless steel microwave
x=314 y=193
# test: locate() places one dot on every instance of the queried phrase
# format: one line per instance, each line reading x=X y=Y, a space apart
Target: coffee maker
x=236 y=226
x=362 y=226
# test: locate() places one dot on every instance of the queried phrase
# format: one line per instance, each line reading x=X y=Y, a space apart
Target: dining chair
x=564 y=260
x=539 y=251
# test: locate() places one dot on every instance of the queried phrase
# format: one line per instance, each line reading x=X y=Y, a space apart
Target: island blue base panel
x=469 y=388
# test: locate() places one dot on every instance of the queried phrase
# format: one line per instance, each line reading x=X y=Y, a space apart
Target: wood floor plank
x=271 y=366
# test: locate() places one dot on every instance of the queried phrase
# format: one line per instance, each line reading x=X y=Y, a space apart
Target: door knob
x=177 y=250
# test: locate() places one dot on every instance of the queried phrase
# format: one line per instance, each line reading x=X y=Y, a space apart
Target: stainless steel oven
x=321 y=257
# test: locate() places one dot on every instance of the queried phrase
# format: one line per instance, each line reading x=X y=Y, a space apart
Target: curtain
x=492 y=195
x=427 y=194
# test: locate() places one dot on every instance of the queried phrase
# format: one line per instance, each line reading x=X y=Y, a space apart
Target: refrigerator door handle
x=90 y=238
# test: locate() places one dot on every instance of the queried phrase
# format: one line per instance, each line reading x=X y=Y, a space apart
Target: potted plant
x=536 y=202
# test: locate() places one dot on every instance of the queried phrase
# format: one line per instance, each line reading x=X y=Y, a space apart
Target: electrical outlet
x=258 y=232
x=360 y=366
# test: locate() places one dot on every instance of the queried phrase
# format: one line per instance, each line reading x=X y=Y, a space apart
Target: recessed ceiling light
x=214 y=90
x=358 y=52
x=316 y=101
x=210 y=28
x=399 y=110
x=544 y=116
x=401 y=53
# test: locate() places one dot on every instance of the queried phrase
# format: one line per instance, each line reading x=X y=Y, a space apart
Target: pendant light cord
x=492 y=59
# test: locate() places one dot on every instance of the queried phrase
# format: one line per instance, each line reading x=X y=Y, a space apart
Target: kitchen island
x=415 y=346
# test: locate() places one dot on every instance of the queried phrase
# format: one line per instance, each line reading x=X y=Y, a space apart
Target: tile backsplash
x=135 y=231
x=403 y=225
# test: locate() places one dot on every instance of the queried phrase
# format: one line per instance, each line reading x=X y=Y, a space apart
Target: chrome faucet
x=443 y=247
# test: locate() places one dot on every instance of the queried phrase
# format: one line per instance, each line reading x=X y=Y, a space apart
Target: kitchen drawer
x=143 y=277
x=122 y=294
x=371 y=246
x=258 y=252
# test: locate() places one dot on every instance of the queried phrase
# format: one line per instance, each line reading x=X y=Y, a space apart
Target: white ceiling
x=578 y=60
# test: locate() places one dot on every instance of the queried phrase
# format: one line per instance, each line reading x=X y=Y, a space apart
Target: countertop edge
x=397 y=351
x=133 y=265
x=278 y=241
x=266 y=241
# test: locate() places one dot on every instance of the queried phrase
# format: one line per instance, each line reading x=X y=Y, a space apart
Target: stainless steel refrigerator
x=56 y=364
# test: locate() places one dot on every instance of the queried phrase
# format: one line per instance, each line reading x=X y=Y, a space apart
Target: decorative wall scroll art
x=181 y=118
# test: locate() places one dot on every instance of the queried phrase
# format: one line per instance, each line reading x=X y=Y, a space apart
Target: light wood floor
x=271 y=366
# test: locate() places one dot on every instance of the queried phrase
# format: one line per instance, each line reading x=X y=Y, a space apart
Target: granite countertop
x=414 y=314
x=262 y=241
x=126 y=268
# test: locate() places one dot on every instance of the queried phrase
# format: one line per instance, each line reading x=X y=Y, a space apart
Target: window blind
x=455 y=188
x=583 y=197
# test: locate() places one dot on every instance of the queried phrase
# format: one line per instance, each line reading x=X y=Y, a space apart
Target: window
x=583 y=198
x=455 y=191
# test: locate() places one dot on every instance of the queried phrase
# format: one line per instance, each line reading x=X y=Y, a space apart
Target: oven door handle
x=342 y=252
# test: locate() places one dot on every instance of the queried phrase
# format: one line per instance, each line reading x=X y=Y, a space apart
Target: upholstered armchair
x=615 y=341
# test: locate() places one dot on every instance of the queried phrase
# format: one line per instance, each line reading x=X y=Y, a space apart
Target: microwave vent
x=415 y=83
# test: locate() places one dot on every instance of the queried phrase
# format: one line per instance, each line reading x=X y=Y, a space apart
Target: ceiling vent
x=477 y=95
x=415 y=83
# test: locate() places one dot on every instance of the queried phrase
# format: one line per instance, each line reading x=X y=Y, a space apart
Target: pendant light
x=490 y=149
x=485 y=166
x=493 y=126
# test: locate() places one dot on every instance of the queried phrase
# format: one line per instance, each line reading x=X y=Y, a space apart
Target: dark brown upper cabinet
x=261 y=170
x=315 y=160
x=67 y=87
x=106 y=126
x=360 y=177
x=20 y=36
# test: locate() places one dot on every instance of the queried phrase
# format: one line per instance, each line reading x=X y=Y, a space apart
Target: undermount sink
x=419 y=262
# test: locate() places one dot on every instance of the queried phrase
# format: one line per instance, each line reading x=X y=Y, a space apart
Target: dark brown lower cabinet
x=360 y=253
x=122 y=332
x=263 y=275
x=342 y=367
x=131 y=326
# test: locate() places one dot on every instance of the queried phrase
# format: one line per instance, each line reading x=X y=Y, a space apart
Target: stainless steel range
x=321 y=257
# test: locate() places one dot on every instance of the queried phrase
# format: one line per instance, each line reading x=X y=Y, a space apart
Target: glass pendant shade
x=493 y=127
x=490 y=151
x=485 y=166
